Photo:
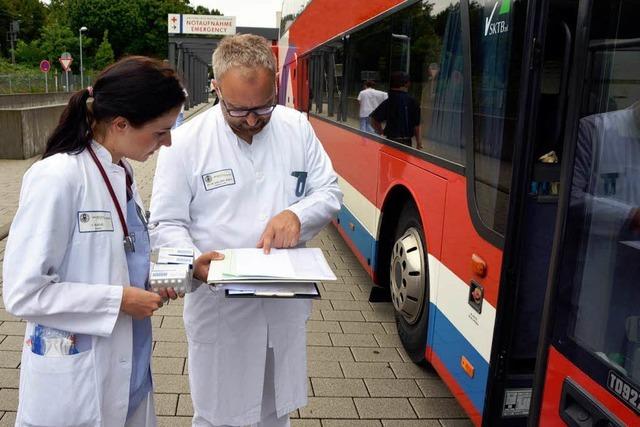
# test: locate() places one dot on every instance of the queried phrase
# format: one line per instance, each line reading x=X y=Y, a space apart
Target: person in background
x=77 y=259
x=400 y=112
x=369 y=98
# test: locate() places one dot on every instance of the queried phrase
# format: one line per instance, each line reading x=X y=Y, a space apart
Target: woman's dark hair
x=138 y=88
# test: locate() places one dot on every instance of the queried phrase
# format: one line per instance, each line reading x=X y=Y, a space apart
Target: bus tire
x=409 y=283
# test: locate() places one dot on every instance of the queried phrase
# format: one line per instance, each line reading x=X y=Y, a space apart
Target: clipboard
x=288 y=291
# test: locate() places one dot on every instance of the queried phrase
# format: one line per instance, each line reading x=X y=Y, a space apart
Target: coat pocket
x=59 y=390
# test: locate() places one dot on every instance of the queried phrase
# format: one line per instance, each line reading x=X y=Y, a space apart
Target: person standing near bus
x=400 y=112
x=77 y=259
x=246 y=173
x=369 y=98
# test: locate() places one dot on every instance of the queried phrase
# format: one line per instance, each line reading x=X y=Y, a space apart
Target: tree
x=31 y=14
x=104 y=54
x=56 y=39
x=29 y=53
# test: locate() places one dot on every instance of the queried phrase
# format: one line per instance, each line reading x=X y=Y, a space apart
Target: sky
x=248 y=13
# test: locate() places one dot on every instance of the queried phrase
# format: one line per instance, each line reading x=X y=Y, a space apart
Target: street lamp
x=81 y=69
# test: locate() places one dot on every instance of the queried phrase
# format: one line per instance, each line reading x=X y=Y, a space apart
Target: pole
x=13 y=54
x=46 y=82
x=81 y=71
x=67 y=75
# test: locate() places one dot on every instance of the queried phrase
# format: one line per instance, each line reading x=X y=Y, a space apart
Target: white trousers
x=145 y=415
x=268 y=414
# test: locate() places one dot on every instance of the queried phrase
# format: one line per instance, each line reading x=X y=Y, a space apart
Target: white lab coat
x=58 y=277
x=248 y=185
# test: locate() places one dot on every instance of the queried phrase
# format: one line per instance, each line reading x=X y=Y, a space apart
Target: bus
x=505 y=226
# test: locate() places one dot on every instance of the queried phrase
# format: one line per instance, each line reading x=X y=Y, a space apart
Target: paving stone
x=318 y=338
x=14 y=343
x=336 y=354
x=315 y=315
x=166 y=403
x=170 y=310
x=329 y=407
x=185 y=405
x=320 y=369
x=13 y=328
x=433 y=388
x=410 y=423
x=366 y=370
x=373 y=407
x=351 y=423
x=170 y=349
x=388 y=340
x=339 y=387
x=172 y=322
x=164 y=383
x=10 y=359
x=6 y=317
x=353 y=340
x=167 y=365
x=8 y=419
x=174 y=421
x=411 y=370
x=348 y=315
x=351 y=305
x=378 y=316
x=9 y=399
x=305 y=423
x=322 y=304
x=337 y=295
x=360 y=295
x=361 y=328
x=403 y=354
x=323 y=326
x=437 y=407
x=456 y=423
x=363 y=354
x=170 y=335
x=390 y=327
x=156 y=321
x=392 y=388
x=9 y=378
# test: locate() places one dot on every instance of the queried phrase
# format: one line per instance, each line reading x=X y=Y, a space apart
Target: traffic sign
x=65 y=60
x=45 y=66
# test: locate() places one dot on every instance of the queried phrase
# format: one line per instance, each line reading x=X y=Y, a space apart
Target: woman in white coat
x=77 y=259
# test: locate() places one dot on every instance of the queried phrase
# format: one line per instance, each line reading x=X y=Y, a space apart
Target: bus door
x=588 y=371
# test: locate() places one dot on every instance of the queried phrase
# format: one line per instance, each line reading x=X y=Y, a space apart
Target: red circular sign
x=45 y=66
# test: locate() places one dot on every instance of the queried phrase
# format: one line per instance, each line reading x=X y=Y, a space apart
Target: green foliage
x=104 y=54
x=29 y=53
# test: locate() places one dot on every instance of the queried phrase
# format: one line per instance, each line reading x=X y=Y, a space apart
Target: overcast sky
x=248 y=13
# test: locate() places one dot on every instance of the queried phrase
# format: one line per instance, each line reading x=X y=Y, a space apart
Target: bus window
x=496 y=49
x=599 y=291
x=327 y=67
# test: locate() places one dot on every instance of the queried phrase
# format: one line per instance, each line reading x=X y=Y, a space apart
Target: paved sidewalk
x=359 y=375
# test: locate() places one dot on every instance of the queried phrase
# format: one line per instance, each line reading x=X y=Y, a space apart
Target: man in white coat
x=245 y=173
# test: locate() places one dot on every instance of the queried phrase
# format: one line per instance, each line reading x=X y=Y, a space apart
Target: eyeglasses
x=258 y=111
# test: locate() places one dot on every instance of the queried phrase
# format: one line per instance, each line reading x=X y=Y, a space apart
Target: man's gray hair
x=242 y=50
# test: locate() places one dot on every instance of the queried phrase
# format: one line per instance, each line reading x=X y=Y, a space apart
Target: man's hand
x=169 y=293
x=283 y=231
x=201 y=265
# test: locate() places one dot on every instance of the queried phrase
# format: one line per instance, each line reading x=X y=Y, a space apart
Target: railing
x=41 y=83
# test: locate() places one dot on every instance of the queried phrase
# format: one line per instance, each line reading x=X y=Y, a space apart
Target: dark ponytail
x=73 y=132
x=138 y=88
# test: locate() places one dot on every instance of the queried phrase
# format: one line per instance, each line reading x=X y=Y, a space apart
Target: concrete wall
x=24 y=131
x=33 y=100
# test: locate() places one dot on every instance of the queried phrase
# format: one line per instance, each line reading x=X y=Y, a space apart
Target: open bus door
x=588 y=364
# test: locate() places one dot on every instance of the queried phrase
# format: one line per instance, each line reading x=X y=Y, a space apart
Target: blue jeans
x=365 y=125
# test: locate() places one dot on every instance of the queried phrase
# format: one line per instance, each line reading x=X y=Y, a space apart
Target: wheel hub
x=408 y=275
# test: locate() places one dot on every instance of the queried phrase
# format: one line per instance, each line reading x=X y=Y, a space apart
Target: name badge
x=218 y=179
x=94 y=221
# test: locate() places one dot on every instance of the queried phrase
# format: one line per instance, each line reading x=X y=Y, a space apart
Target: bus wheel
x=408 y=276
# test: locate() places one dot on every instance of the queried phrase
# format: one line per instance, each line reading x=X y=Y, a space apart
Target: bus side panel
x=560 y=368
x=355 y=160
x=305 y=33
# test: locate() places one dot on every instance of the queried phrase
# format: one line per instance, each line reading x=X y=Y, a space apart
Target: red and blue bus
x=505 y=229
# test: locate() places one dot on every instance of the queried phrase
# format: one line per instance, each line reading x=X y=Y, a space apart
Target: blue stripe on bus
x=360 y=237
x=449 y=344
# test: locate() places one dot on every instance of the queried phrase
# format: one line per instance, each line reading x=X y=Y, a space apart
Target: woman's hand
x=201 y=266
x=139 y=303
